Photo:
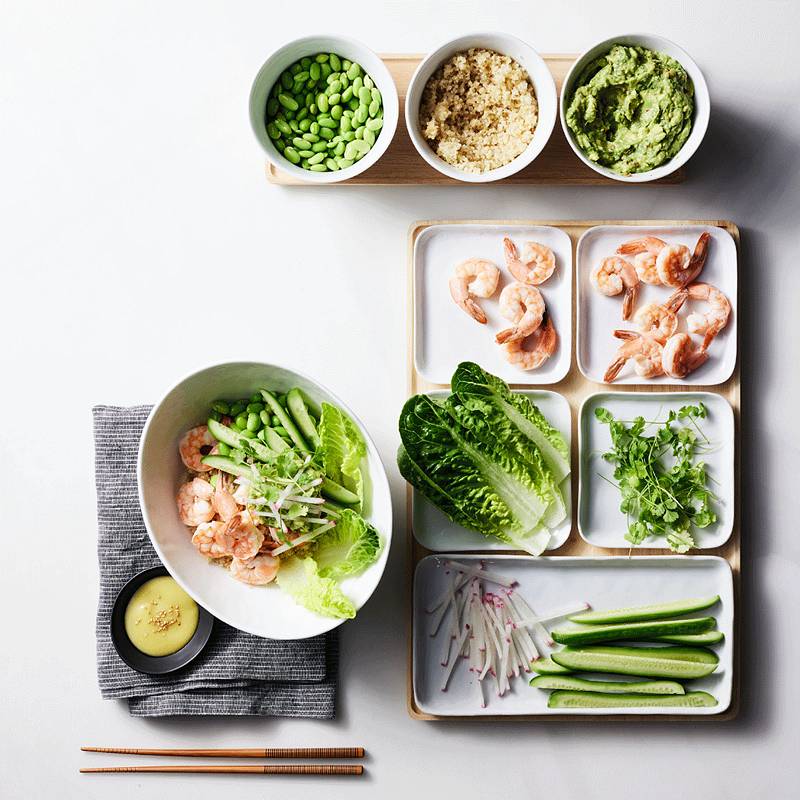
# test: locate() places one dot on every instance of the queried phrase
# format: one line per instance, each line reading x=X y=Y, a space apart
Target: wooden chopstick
x=244 y=752
x=248 y=769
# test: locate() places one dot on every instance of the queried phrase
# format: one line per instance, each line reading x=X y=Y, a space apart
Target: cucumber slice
x=296 y=404
x=707 y=638
x=648 y=662
x=338 y=493
x=631 y=630
x=228 y=465
x=275 y=440
x=280 y=412
x=222 y=433
x=546 y=666
x=592 y=700
x=609 y=687
x=640 y=613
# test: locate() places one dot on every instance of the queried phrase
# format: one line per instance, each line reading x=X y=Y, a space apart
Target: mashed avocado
x=632 y=109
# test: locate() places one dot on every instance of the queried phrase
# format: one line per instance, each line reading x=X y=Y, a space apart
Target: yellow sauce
x=160 y=617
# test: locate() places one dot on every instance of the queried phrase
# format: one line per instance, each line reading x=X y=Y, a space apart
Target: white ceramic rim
x=699 y=124
x=378 y=72
x=527 y=156
x=328 y=624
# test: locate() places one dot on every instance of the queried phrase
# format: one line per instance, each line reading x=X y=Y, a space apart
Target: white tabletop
x=134 y=211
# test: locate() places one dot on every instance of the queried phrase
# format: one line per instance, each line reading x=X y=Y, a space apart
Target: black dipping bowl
x=135 y=658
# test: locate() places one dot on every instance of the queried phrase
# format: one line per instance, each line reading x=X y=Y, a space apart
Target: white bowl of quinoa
x=481 y=107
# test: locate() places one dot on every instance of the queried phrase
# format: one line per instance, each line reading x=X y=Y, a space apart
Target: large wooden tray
x=575 y=388
x=401 y=164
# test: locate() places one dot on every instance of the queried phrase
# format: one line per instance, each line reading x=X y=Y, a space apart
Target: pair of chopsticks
x=241 y=769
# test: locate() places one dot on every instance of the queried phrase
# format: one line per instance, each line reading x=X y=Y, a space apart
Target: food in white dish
x=274 y=494
x=535 y=266
x=614 y=275
x=475 y=277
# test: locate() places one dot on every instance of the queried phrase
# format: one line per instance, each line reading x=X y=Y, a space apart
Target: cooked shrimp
x=194 y=502
x=224 y=503
x=681 y=356
x=677 y=266
x=643 y=349
x=715 y=319
x=475 y=277
x=245 y=537
x=195 y=444
x=211 y=540
x=533 y=351
x=537 y=264
x=523 y=305
x=614 y=275
x=660 y=320
x=256 y=571
x=644 y=252
x=242 y=494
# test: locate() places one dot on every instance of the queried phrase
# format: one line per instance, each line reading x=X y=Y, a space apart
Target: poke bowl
x=320 y=595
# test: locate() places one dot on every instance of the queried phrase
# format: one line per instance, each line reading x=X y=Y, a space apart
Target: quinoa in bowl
x=478 y=110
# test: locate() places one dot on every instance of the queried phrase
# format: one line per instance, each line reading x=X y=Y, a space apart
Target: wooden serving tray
x=401 y=165
x=575 y=388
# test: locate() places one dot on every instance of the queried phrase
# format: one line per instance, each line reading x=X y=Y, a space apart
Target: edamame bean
x=265 y=416
x=292 y=155
x=345 y=125
x=248 y=434
x=302 y=76
x=360 y=132
x=279 y=429
x=301 y=115
x=331 y=164
x=223 y=449
x=339 y=149
x=347 y=94
x=344 y=163
x=327 y=122
x=357 y=84
x=272 y=131
x=305 y=153
x=334 y=98
x=240 y=422
x=334 y=87
x=364 y=96
x=299 y=143
x=374 y=108
x=316 y=158
x=368 y=82
x=368 y=137
x=237 y=408
x=311 y=137
x=289 y=103
x=326 y=133
x=319 y=147
x=314 y=127
x=283 y=127
x=305 y=62
x=305 y=124
x=336 y=112
x=354 y=71
x=346 y=64
x=318 y=167
x=335 y=62
x=322 y=102
x=272 y=107
x=321 y=58
x=253 y=422
x=314 y=71
x=275 y=422
x=374 y=124
x=286 y=80
x=326 y=70
x=221 y=407
x=361 y=115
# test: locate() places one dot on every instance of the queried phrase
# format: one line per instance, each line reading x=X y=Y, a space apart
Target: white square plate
x=444 y=335
x=434 y=531
x=599 y=315
x=549 y=582
x=600 y=521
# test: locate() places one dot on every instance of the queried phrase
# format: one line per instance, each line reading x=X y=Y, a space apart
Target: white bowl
x=702 y=103
x=261 y=610
x=539 y=75
x=310 y=45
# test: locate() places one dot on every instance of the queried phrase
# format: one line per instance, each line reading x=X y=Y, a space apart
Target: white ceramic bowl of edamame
x=261 y=610
x=540 y=78
x=269 y=75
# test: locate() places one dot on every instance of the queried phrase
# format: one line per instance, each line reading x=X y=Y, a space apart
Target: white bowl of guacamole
x=634 y=108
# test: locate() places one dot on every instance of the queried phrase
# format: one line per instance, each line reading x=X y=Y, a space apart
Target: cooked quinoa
x=478 y=110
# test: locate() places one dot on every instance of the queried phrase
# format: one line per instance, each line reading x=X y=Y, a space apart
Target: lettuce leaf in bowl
x=300 y=578
x=349 y=548
x=342 y=449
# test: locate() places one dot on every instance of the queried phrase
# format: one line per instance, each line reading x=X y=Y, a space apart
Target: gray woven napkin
x=237 y=673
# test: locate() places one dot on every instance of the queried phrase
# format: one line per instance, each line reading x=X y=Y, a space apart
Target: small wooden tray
x=401 y=165
x=575 y=388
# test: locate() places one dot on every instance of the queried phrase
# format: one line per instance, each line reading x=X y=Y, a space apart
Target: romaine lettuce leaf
x=469 y=380
x=342 y=449
x=299 y=578
x=488 y=488
x=347 y=549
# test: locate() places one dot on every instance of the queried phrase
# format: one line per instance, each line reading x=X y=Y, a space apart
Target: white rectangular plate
x=444 y=335
x=600 y=521
x=433 y=530
x=599 y=316
x=605 y=582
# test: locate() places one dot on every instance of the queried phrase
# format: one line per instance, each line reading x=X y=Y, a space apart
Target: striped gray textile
x=237 y=673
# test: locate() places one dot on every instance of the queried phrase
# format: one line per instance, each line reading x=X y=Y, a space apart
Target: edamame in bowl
x=324 y=108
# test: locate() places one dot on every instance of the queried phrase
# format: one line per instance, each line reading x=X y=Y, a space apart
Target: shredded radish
x=494 y=633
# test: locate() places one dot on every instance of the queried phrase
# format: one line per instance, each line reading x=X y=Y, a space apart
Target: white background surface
x=134 y=205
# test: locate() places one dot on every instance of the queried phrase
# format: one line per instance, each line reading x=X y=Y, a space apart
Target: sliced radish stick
x=451 y=667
